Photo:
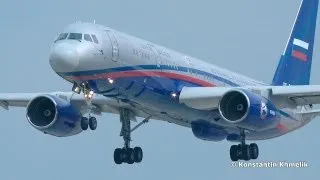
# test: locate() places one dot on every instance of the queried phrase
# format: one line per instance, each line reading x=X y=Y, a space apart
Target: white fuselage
x=147 y=76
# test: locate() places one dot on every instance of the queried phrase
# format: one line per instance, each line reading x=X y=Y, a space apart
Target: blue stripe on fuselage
x=150 y=67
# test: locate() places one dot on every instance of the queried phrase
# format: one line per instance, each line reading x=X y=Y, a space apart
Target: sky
x=247 y=37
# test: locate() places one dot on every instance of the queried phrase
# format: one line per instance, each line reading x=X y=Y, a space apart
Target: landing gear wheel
x=254 y=151
x=93 y=123
x=234 y=153
x=127 y=154
x=84 y=123
x=117 y=155
x=246 y=152
x=130 y=155
x=138 y=154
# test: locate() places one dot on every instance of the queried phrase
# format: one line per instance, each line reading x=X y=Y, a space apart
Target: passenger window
x=75 y=36
x=94 y=38
x=62 y=36
x=87 y=37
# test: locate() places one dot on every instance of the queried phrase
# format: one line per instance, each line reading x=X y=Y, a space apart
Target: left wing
x=99 y=104
x=206 y=98
x=22 y=100
x=16 y=99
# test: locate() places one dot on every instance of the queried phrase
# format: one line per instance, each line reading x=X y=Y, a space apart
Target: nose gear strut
x=90 y=121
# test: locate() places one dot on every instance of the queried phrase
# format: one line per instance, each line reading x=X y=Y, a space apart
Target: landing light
x=88 y=96
x=76 y=89
x=91 y=93
x=174 y=95
x=110 y=80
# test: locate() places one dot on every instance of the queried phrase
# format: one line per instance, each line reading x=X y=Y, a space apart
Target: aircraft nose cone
x=64 y=58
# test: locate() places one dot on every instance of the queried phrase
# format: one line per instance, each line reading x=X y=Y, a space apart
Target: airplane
x=113 y=72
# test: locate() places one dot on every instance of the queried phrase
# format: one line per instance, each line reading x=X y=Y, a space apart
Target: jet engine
x=248 y=110
x=53 y=115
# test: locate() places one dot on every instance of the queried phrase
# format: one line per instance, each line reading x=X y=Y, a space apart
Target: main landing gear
x=127 y=154
x=244 y=151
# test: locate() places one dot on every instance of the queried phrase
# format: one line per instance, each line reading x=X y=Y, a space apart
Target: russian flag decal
x=300 y=49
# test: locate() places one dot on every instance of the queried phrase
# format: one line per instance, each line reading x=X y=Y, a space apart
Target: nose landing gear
x=85 y=88
x=90 y=122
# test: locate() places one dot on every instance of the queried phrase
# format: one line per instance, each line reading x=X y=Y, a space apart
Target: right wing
x=206 y=98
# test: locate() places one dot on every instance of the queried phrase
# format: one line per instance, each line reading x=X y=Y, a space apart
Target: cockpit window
x=75 y=36
x=94 y=37
x=62 y=36
x=87 y=37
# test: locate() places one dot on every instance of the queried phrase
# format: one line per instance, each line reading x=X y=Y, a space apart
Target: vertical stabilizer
x=294 y=67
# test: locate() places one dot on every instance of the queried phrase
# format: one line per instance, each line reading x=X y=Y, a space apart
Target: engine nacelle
x=208 y=132
x=53 y=115
x=248 y=110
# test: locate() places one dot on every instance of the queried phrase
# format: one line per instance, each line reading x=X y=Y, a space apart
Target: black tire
x=254 y=150
x=239 y=155
x=234 y=153
x=93 y=123
x=117 y=156
x=84 y=123
x=137 y=154
x=130 y=156
x=246 y=153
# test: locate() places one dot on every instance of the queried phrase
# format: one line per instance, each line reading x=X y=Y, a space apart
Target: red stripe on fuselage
x=299 y=55
x=139 y=73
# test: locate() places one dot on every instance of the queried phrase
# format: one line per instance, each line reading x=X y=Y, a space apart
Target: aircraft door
x=114 y=44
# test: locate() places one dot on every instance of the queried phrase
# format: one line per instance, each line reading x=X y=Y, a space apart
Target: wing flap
x=304 y=90
x=305 y=100
x=300 y=95
x=309 y=114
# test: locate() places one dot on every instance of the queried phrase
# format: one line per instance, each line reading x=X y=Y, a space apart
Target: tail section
x=294 y=67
